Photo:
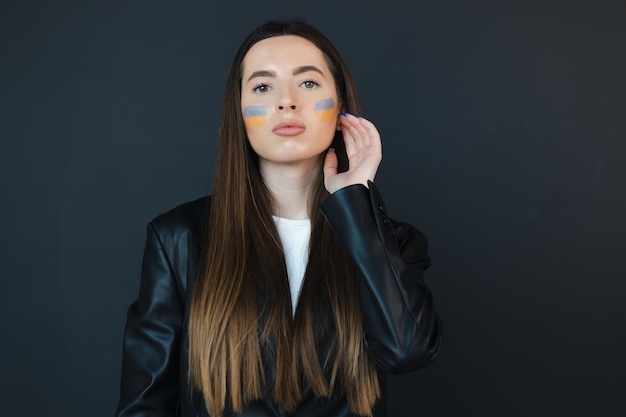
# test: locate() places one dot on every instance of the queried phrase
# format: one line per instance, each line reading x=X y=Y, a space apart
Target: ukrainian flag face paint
x=325 y=109
x=289 y=101
x=254 y=116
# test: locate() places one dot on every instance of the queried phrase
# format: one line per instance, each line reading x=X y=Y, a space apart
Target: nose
x=287 y=101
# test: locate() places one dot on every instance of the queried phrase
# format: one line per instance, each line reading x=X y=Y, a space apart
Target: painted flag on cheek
x=325 y=109
x=254 y=116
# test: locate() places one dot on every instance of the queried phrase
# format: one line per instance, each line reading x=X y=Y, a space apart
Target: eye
x=261 y=88
x=309 y=84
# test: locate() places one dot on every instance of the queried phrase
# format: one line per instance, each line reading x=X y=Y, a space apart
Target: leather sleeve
x=150 y=364
x=401 y=328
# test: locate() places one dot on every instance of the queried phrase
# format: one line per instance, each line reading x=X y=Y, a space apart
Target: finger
x=348 y=137
x=372 y=132
x=330 y=166
x=350 y=125
x=364 y=129
x=359 y=131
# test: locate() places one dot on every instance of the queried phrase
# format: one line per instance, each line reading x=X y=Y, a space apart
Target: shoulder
x=179 y=233
x=182 y=224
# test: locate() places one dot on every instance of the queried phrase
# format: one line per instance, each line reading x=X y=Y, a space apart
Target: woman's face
x=288 y=100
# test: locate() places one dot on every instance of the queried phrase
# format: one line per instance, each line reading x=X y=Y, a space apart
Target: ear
x=341 y=111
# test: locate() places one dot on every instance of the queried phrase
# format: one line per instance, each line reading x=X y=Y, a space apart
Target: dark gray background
x=503 y=124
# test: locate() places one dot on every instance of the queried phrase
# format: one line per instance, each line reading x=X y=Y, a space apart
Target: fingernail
x=348 y=113
x=331 y=149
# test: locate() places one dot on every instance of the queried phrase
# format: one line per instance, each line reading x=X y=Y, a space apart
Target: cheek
x=325 y=110
x=254 y=116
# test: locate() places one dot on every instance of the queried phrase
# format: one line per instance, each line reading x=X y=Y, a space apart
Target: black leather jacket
x=400 y=327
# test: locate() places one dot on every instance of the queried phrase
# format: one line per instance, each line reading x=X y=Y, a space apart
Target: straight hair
x=241 y=315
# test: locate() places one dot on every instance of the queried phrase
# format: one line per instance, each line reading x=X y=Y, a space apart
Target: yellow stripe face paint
x=254 y=116
x=325 y=110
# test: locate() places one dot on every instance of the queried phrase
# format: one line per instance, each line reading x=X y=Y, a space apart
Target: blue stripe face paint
x=254 y=116
x=325 y=109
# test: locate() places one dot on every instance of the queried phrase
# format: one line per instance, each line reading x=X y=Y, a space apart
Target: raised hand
x=364 y=154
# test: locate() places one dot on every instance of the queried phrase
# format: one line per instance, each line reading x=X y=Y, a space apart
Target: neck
x=290 y=186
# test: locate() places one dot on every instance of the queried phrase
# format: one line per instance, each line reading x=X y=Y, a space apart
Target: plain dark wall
x=503 y=125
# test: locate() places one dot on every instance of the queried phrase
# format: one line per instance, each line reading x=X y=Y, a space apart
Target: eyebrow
x=263 y=73
x=296 y=71
x=306 y=68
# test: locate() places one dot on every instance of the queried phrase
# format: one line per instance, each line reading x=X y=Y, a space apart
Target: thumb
x=330 y=166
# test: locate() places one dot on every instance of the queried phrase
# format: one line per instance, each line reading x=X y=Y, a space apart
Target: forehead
x=288 y=51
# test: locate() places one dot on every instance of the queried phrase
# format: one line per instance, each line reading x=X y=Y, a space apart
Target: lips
x=289 y=128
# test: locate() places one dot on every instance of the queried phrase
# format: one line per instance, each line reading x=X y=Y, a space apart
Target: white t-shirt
x=295 y=236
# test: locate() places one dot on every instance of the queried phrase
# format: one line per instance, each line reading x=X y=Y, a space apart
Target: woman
x=289 y=291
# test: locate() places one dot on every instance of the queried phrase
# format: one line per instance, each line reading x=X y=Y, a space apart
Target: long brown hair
x=241 y=310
